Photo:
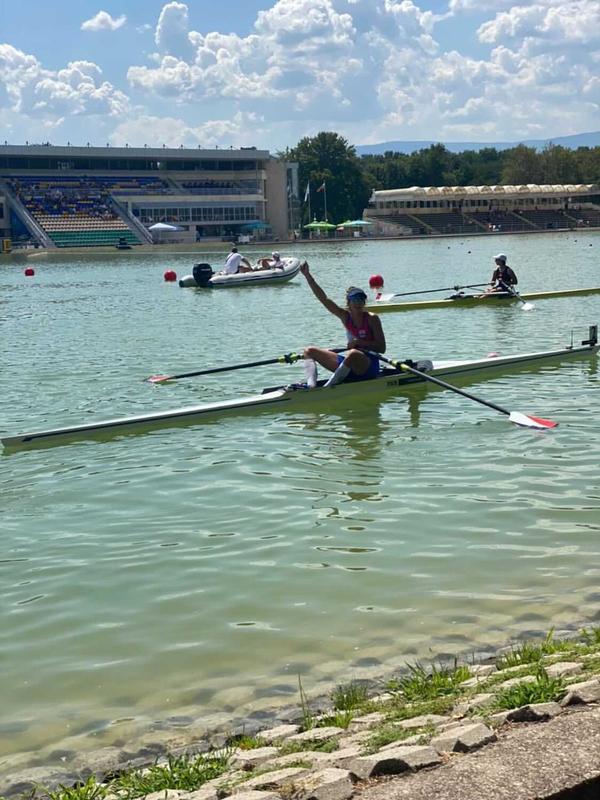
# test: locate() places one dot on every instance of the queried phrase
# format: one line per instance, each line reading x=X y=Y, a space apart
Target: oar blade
x=527 y=306
x=158 y=378
x=528 y=421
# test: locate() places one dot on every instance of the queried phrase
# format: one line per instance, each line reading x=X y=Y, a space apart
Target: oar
x=517 y=417
x=431 y=291
x=511 y=290
x=288 y=358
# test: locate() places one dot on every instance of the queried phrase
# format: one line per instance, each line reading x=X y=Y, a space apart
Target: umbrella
x=164 y=226
x=255 y=226
x=319 y=226
x=354 y=223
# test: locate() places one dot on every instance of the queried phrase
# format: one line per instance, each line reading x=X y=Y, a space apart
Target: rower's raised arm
x=320 y=294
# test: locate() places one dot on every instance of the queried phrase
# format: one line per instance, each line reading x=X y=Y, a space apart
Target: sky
x=207 y=73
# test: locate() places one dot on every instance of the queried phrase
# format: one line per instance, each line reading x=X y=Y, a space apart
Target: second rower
x=363 y=330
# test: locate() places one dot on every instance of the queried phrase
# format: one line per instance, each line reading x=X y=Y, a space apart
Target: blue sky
x=259 y=72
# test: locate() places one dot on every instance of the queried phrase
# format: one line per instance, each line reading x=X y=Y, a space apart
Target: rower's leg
x=355 y=361
x=310 y=369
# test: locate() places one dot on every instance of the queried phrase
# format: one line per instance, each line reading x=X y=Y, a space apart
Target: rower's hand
x=304 y=268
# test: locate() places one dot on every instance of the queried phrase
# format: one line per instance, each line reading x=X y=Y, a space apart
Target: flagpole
x=325 y=198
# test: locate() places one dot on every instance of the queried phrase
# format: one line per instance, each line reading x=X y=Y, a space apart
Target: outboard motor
x=202 y=274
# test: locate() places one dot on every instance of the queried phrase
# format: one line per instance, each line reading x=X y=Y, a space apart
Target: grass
x=532 y=652
x=421 y=684
x=543 y=690
x=349 y=696
x=391 y=733
x=591 y=637
x=308 y=718
x=341 y=719
x=326 y=746
x=245 y=742
x=185 y=773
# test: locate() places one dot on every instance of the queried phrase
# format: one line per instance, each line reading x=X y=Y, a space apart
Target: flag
x=321 y=187
x=307 y=192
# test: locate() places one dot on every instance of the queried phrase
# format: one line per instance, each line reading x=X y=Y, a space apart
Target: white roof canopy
x=457 y=192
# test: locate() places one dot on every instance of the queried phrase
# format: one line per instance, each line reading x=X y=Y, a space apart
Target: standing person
x=363 y=330
x=235 y=263
x=503 y=277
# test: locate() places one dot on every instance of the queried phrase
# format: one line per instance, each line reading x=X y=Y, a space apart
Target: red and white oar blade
x=531 y=422
x=158 y=379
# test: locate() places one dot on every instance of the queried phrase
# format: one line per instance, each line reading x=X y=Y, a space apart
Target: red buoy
x=376 y=282
x=29 y=272
x=170 y=275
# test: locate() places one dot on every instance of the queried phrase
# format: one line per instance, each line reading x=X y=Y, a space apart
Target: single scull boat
x=473 y=300
x=390 y=381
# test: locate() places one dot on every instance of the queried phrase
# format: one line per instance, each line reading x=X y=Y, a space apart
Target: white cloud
x=77 y=89
x=172 y=30
x=173 y=132
x=103 y=22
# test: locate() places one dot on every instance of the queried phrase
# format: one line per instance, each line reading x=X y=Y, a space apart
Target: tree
x=522 y=165
x=328 y=158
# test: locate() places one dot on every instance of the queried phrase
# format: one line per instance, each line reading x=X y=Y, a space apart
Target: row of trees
x=350 y=179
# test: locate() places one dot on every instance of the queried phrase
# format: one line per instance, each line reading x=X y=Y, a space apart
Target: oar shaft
x=432 y=379
x=288 y=358
x=443 y=289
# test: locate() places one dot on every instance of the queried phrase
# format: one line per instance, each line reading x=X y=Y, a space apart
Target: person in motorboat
x=363 y=331
x=274 y=262
x=503 y=277
x=235 y=263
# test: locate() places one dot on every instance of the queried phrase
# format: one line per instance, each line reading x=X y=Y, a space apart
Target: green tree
x=522 y=165
x=328 y=158
x=559 y=165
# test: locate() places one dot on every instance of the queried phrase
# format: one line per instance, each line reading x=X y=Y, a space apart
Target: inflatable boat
x=203 y=276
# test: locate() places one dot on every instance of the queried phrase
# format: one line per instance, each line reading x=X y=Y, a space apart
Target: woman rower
x=363 y=330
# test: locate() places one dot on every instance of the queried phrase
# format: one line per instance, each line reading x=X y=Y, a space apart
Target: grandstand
x=431 y=210
x=84 y=197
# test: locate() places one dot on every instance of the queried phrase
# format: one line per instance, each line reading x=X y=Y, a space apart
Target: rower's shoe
x=297 y=387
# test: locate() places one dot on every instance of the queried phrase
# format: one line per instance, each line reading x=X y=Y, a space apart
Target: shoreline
x=219 y=246
x=172 y=736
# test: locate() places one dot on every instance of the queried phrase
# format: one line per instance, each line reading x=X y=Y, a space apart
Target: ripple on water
x=229 y=558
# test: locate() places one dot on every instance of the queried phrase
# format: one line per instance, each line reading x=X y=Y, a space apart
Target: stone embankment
x=482 y=746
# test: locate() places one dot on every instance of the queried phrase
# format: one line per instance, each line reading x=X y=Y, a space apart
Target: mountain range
x=572 y=142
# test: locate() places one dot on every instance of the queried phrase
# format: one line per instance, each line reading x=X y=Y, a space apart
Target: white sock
x=338 y=376
x=310 y=368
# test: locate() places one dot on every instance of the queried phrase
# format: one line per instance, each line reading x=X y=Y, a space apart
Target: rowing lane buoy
x=170 y=275
x=29 y=272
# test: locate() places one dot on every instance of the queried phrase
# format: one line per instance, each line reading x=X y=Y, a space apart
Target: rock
x=203 y=793
x=463 y=739
x=312 y=757
x=101 y=762
x=279 y=734
x=497 y=720
x=366 y=722
x=248 y=759
x=21 y=783
x=271 y=781
x=415 y=739
x=326 y=784
x=534 y=712
x=516 y=681
x=392 y=762
x=317 y=735
x=483 y=670
x=420 y=722
x=584 y=692
x=174 y=794
x=563 y=668
x=254 y=795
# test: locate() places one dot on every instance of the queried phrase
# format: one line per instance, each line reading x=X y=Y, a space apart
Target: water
x=188 y=576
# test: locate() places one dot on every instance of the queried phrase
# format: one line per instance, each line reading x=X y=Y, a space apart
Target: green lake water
x=183 y=578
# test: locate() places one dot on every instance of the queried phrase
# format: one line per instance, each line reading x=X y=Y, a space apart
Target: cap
x=375 y=280
x=355 y=294
x=275 y=254
x=234 y=249
x=500 y=257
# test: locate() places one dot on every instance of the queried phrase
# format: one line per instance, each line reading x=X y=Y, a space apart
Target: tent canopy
x=164 y=226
